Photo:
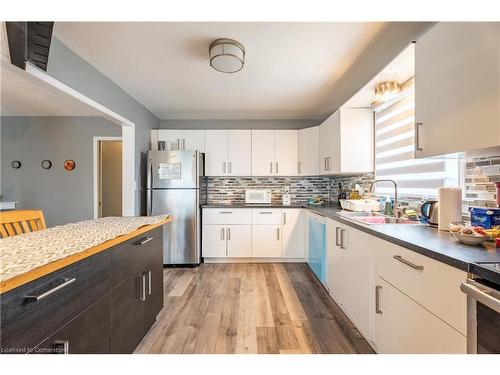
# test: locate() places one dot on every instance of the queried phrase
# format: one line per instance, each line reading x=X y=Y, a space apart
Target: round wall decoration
x=16 y=164
x=46 y=164
x=69 y=165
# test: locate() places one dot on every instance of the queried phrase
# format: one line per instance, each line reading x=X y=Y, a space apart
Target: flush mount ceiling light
x=226 y=55
x=386 y=90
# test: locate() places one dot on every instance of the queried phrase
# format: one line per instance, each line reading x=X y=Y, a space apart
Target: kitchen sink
x=376 y=218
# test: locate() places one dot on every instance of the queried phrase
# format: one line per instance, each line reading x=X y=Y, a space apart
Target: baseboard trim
x=254 y=260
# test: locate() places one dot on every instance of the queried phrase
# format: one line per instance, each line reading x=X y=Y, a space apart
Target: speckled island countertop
x=28 y=256
x=428 y=241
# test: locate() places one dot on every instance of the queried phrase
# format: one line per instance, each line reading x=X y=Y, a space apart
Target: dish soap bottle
x=388 y=206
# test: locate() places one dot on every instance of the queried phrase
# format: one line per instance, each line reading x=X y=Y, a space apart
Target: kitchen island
x=88 y=287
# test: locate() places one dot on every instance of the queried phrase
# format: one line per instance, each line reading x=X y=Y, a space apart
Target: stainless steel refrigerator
x=176 y=186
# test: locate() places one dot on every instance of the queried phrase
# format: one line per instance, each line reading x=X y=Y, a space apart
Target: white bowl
x=468 y=239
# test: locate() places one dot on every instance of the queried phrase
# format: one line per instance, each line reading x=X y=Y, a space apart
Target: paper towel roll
x=450 y=206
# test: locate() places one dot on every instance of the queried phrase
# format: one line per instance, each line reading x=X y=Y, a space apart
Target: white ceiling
x=401 y=69
x=290 y=72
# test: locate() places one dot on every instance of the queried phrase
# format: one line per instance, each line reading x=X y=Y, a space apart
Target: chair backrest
x=17 y=222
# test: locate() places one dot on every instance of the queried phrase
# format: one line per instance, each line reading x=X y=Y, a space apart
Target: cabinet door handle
x=342 y=238
x=222 y=234
x=178 y=144
x=183 y=144
x=408 y=263
x=378 y=288
x=417 y=136
x=324 y=164
x=271 y=167
x=224 y=167
x=63 y=344
x=143 y=288
x=228 y=234
x=277 y=167
x=150 y=288
x=337 y=236
x=225 y=212
x=144 y=240
x=299 y=167
x=265 y=213
x=284 y=218
x=39 y=297
x=229 y=168
x=277 y=234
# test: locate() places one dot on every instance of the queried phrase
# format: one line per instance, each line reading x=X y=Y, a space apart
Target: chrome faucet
x=395 y=209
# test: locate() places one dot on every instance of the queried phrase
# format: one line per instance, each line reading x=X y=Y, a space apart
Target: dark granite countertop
x=431 y=242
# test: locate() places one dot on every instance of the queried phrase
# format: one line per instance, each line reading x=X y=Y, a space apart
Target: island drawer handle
x=408 y=263
x=145 y=240
x=51 y=291
x=265 y=212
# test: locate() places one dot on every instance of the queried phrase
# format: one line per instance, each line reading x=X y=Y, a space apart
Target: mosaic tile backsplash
x=480 y=178
x=232 y=189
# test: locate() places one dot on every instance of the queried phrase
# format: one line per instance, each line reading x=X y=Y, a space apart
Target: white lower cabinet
x=348 y=272
x=226 y=241
x=293 y=242
x=214 y=241
x=266 y=241
x=403 y=326
x=239 y=241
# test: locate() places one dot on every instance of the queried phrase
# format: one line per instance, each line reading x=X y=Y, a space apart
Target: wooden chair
x=17 y=222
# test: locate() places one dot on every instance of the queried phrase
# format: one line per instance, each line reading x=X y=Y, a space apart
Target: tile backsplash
x=480 y=178
x=232 y=189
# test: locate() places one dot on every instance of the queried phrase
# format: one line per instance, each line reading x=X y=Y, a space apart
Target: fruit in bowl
x=468 y=235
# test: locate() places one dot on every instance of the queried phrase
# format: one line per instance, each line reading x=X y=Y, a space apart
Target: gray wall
x=63 y=196
x=68 y=67
x=238 y=124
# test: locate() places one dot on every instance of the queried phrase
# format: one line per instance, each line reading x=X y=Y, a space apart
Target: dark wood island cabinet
x=103 y=303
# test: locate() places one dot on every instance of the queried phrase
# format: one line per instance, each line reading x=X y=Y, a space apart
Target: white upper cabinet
x=215 y=152
x=228 y=152
x=274 y=152
x=176 y=139
x=329 y=143
x=239 y=152
x=346 y=142
x=457 y=88
x=308 y=152
x=263 y=153
x=285 y=152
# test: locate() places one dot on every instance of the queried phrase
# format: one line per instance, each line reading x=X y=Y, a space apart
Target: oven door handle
x=481 y=296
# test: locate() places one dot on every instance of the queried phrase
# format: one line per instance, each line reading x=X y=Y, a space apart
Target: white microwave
x=258 y=196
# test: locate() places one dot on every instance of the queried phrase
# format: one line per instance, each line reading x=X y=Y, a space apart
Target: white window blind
x=394 y=153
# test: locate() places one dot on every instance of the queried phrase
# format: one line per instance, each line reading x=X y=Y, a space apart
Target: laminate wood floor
x=250 y=308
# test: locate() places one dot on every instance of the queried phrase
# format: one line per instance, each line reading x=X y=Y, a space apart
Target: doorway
x=109 y=177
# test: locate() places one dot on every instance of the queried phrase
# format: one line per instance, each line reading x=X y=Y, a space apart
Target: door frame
x=95 y=164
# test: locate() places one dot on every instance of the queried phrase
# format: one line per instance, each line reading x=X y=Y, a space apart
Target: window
x=394 y=152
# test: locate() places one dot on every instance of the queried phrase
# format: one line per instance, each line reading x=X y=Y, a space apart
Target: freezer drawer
x=181 y=242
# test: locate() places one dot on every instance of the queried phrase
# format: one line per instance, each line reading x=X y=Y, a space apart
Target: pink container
x=497 y=184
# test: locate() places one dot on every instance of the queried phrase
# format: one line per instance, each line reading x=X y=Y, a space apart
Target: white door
x=403 y=326
x=239 y=241
x=457 y=88
x=263 y=153
x=171 y=137
x=293 y=243
x=266 y=241
x=356 y=142
x=329 y=143
x=308 y=151
x=355 y=251
x=336 y=281
x=214 y=241
x=215 y=152
x=285 y=152
x=193 y=140
x=239 y=152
